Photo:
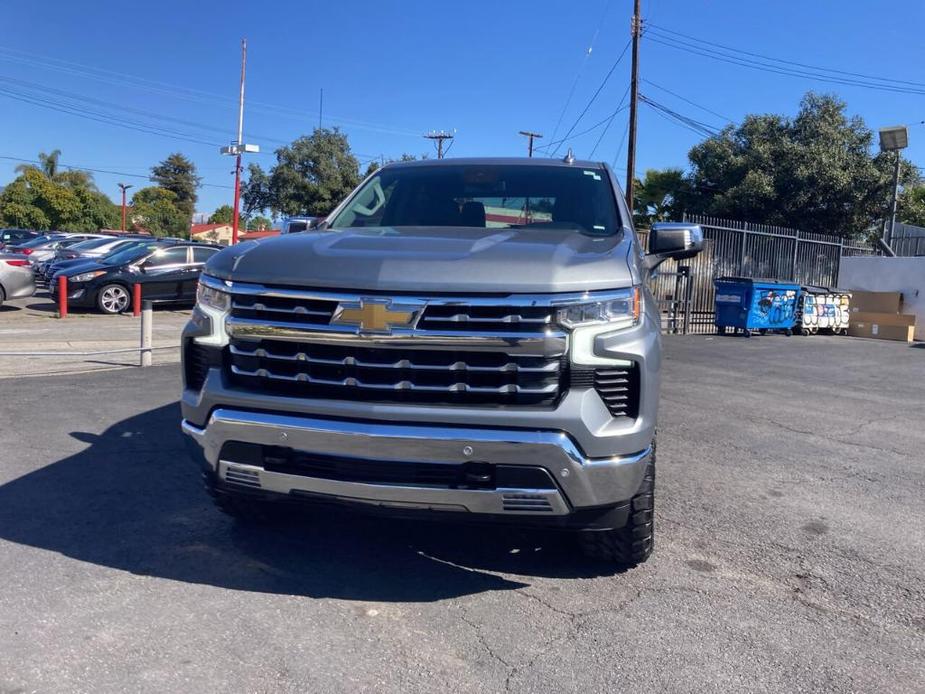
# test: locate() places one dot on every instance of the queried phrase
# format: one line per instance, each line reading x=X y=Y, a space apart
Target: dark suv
x=166 y=273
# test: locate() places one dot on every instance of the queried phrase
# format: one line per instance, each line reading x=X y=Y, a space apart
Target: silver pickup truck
x=466 y=339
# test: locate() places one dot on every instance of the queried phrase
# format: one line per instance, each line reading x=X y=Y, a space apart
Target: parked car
x=16 y=279
x=52 y=267
x=293 y=225
x=11 y=237
x=44 y=250
x=91 y=248
x=167 y=272
x=476 y=340
x=28 y=246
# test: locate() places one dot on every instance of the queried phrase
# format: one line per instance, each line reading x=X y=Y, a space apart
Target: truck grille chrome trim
x=457 y=387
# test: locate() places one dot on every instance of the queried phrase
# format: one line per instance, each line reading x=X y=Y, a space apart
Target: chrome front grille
x=405 y=375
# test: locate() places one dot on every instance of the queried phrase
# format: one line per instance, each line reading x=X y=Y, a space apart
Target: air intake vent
x=619 y=389
x=242 y=476
x=532 y=503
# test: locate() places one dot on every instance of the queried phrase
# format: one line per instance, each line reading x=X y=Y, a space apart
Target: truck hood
x=432 y=259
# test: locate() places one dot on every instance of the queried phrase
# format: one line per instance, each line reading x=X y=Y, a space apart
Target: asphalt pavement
x=790 y=552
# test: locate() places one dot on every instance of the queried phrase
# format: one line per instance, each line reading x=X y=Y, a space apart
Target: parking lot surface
x=790 y=551
x=31 y=326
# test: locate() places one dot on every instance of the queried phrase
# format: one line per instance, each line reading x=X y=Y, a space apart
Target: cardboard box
x=902 y=333
x=875 y=302
x=901 y=319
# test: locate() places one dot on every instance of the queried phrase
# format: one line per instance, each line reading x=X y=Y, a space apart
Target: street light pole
x=124 y=188
x=889 y=238
x=237 y=161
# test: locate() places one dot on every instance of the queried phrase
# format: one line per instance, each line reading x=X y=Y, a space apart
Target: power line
x=581 y=68
x=78 y=167
x=186 y=93
x=782 y=60
x=692 y=103
x=585 y=131
x=595 y=95
x=609 y=122
x=692 y=124
x=778 y=69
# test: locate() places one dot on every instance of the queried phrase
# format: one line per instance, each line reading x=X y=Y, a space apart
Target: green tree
x=222 y=215
x=912 y=206
x=34 y=200
x=662 y=196
x=258 y=223
x=814 y=172
x=178 y=175
x=255 y=192
x=157 y=210
x=313 y=174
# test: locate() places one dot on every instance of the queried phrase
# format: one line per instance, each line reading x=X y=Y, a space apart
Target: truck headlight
x=213 y=298
x=621 y=309
x=212 y=307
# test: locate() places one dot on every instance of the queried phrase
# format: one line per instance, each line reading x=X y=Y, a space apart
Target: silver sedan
x=16 y=278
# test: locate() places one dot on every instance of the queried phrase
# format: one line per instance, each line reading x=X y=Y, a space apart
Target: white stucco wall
x=880 y=274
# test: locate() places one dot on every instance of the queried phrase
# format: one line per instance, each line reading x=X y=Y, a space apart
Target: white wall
x=881 y=274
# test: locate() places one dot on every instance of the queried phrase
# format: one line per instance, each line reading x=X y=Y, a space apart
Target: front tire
x=113 y=299
x=632 y=544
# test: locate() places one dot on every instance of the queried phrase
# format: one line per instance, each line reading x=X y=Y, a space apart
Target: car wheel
x=632 y=544
x=2 y=296
x=113 y=298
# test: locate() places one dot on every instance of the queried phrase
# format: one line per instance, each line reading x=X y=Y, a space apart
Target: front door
x=163 y=273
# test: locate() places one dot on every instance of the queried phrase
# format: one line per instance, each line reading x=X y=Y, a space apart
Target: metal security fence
x=908 y=240
x=684 y=289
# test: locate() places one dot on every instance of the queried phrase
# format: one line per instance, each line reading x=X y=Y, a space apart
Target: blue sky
x=392 y=70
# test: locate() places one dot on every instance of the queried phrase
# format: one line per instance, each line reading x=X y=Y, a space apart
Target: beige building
x=211 y=233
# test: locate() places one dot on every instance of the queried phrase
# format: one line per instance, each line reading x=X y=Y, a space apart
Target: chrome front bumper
x=582 y=482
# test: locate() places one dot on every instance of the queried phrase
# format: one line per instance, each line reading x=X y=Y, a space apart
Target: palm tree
x=49 y=167
x=48 y=164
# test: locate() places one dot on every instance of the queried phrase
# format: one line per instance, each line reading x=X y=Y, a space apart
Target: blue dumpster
x=747 y=304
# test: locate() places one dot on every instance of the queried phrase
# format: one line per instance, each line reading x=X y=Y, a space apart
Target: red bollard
x=136 y=299
x=62 y=297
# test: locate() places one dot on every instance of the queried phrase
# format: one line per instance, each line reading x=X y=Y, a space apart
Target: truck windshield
x=485 y=195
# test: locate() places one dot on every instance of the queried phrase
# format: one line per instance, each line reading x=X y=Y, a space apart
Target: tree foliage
x=222 y=215
x=178 y=175
x=259 y=223
x=63 y=200
x=815 y=172
x=255 y=192
x=313 y=174
x=158 y=211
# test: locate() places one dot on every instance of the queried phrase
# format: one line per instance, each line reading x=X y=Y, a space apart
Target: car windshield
x=90 y=244
x=485 y=195
x=130 y=254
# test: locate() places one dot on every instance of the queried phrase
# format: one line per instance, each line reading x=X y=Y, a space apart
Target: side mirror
x=318 y=224
x=673 y=240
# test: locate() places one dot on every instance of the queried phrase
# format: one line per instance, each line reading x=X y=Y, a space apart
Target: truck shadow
x=131 y=500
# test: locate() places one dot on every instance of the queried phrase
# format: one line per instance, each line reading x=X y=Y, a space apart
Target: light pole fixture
x=893 y=139
x=124 y=187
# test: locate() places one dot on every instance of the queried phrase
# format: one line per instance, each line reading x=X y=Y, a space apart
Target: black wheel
x=632 y=544
x=113 y=298
x=788 y=332
x=805 y=332
x=762 y=331
x=2 y=296
x=747 y=333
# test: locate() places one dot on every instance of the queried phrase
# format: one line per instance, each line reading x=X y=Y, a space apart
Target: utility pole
x=530 y=136
x=439 y=137
x=636 y=31
x=239 y=148
x=124 y=187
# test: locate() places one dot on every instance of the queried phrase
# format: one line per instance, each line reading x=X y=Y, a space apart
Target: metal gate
x=742 y=249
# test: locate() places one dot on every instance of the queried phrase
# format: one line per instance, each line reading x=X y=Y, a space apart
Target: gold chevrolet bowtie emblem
x=372 y=316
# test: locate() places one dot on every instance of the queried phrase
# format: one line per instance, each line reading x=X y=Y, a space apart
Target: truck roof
x=481 y=161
